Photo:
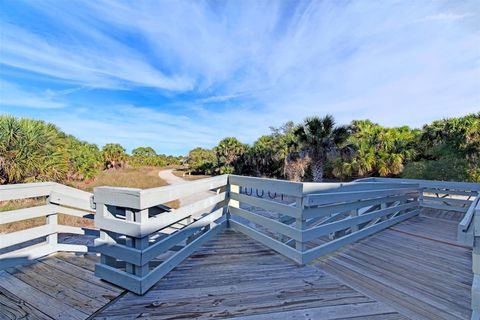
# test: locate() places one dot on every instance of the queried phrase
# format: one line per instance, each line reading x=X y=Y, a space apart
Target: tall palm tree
x=320 y=139
x=228 y=151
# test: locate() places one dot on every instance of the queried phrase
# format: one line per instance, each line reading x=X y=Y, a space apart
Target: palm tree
x=321 y=140
x=228 y=151
x=30 y=150
x=113 y=155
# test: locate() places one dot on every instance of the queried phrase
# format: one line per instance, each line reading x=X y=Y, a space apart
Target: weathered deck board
x=234 y=276
x=52 y=288
x=421 y=278
x=414 y=270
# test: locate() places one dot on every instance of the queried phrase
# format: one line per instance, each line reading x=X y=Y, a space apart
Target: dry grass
x=143 y=178
x=187 y=176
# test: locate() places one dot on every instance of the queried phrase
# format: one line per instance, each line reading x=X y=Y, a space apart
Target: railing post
x=476 y=266
x=354 y=213
x=300 y=223
x=52 y=220
x=231 y=203
x=140 y=243
x=104 y=237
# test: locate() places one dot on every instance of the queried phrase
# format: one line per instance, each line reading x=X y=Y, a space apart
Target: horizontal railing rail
x=442 y=195
x=476 y=263
x=41 y=239
x=460 y=197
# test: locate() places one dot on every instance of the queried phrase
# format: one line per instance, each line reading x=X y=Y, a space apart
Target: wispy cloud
x=448 y=16
x=14 y=95
x=181 y=74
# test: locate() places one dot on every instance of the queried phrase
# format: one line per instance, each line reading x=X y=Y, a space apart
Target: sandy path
x=172 y=179
x=169 y=177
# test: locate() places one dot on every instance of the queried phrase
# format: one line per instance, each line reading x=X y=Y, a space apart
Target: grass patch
x=184 y=174
x=142 y=178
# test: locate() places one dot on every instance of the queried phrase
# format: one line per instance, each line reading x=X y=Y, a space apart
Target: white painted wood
x=462 y=186
x=268 y=223
x=120 y=278
x=291 y=211
x=273 y=244
x=17 y=237
x=118 y=251
x=476 y=263
x=443 y=207
x=350 y=238
x=327 y=228
x=25 y=255
x=177 y=237
x=441 y=191
x=300 y=224
x=70 y=201
x=314 y=187
x=105 y=220
x=160 y=271
x=25 y=190
x=27 y=213
x=52 y=220
x=73 y=212
x=294 y=189
x=143 y=199
x=448 y=201
x=328 y=209
x=322 y=199
x=465 y=227
x=168 y=218
x=66 y=247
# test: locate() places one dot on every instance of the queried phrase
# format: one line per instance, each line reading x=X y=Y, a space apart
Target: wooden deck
x=61 y=286
x=416 y=267
x=414 y=270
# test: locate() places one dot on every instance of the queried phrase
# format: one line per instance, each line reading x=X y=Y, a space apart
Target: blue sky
x=179 y=74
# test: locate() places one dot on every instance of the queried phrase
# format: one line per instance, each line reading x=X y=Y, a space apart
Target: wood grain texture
x=235 y=276
x=52 y=288
x=416 y=267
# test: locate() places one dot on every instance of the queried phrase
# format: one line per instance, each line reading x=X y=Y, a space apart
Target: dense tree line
x=317 y=149
x=447 y=149
x=33 y=150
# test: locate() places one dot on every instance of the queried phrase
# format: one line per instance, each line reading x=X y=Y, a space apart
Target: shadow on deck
x=413 y=270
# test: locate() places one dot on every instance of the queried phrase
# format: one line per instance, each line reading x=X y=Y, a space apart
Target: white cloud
x=447 y=16
x=240 y=68
x=13 y=95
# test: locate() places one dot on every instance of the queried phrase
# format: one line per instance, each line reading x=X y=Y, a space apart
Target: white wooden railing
x=140 y=239
x=22 y=246
x=140 y=242
x=460 y=197
x=320 y=217
x=476 y=264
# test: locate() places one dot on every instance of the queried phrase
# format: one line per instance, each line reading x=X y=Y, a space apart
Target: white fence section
x=320 y=218
x=476 y=264
x=140 y=241
x=446 y=195
x=22 y=246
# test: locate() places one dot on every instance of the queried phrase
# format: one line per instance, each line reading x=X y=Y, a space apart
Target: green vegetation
x=146 y=156
x=33 y=150
x=320 y=140
x=448 y=149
